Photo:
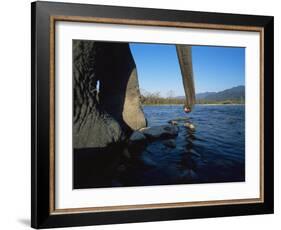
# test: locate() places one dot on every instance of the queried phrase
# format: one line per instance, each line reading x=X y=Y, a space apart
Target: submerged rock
x=160 y=132
x=169 y=143
x=137 y=143
x=137 y=136
x=189 y=126
x=172 y=122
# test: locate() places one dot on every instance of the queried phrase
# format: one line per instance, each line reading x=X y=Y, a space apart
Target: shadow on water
x=95 y=167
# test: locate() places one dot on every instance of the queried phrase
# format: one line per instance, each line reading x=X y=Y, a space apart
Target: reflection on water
x=214 y=152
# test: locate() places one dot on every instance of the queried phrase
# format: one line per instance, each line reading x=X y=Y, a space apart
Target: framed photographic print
x=147 y=114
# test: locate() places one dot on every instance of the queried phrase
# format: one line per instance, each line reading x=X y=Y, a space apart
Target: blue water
x=214 y=152
x=219 y=128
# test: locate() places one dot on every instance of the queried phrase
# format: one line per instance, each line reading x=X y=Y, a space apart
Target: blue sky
x=215 y=68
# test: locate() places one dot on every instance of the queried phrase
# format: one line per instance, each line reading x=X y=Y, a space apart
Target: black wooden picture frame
x=43 y=18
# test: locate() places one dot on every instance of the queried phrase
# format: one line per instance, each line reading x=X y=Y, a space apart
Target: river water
x=214 y=152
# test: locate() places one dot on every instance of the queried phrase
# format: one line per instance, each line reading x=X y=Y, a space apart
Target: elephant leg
x=185 y=61
x=119 y=88
x=104 y=115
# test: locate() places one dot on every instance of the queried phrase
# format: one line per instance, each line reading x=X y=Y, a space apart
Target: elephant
x=106 y=95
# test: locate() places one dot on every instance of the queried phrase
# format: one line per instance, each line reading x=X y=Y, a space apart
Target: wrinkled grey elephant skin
x=106 y=115
x=185 y=61
x=119 y=88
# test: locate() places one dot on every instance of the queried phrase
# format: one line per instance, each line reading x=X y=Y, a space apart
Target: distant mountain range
x=233 y=94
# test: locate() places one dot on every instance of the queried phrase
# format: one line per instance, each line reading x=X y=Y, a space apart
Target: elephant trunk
x=185 y=60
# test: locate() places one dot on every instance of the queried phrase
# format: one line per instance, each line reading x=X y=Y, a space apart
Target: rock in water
x=160 y=132
x=189 y=126
x=137 y=136
x=172 y=122
x=137 y=143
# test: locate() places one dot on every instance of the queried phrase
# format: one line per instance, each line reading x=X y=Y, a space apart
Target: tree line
x=155 y=98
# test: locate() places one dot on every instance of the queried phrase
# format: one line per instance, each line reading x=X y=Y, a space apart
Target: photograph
x=148 y=114
x=145 y=114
